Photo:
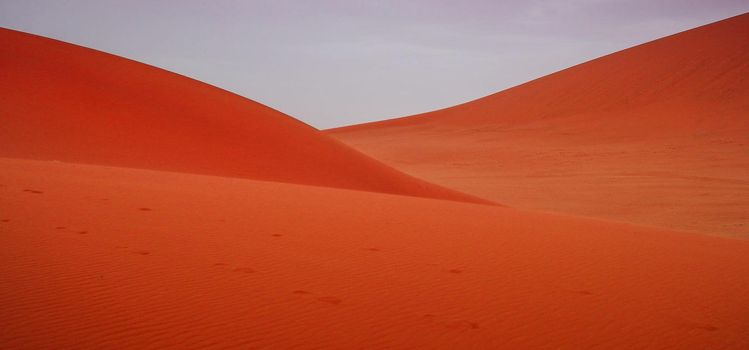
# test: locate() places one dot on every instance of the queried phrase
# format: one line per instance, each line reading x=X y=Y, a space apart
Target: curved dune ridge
x=64 y=102
x=700 y=73
x=656 y=134
x=96 y=257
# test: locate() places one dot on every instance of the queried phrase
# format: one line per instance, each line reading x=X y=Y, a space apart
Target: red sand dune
x=98 y=257
x=656 y=134
x=95 y=254
x=64 y=102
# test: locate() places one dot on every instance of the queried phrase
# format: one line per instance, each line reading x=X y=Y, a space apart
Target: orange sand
x=104 y=257
x=69 y=103
x=141 y=209
x=657 y=134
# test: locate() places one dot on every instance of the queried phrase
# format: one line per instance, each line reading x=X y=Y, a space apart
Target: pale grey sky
x=338 y=62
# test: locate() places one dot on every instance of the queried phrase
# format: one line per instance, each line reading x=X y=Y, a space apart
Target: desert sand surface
x=142 y=209
x=65 y=102
x=104 y=257
x=657 y=134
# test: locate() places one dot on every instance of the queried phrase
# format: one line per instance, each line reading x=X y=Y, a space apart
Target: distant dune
x=656 y=134
x=64 y=102
x=96 y=257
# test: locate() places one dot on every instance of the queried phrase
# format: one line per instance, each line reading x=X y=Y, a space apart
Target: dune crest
x=655 y=134
x=64 y=102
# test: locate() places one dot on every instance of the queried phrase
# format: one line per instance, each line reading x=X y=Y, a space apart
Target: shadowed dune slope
x=64 y=102
x=96 y=257
x=655 y=134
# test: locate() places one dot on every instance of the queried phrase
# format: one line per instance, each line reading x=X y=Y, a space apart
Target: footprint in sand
x=453 y=324
x=701 y=326
x=707 y=327
x=583 y=292
x=461 y=324
x=330 y=300
x=301 y=292
x=244 y=270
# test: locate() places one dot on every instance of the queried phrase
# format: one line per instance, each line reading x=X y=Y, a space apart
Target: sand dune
x=143 y=209
x=64 y=102
x=656 y=134
x=99 y=257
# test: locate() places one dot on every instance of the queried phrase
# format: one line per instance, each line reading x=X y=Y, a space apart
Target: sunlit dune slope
x=98 y=257
x=655 y=134
x=64 y=102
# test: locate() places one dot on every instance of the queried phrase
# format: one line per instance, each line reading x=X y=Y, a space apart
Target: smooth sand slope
x=97 y=257
x=64 y=102
x=656 y=134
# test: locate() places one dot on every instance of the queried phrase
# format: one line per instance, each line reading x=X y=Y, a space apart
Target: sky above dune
x=338 y=62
